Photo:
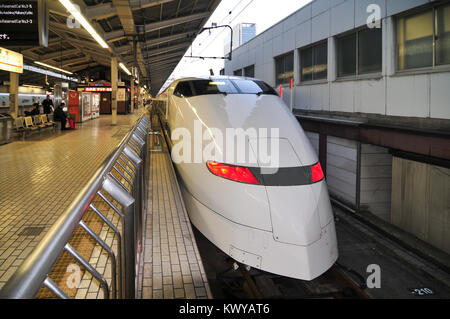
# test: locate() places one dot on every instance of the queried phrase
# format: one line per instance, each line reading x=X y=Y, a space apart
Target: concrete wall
x=420 y=94
x=342 y=168
x=421 y=201
x=376 y=181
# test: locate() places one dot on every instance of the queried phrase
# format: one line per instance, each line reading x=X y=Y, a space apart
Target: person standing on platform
x=48 y=104
x=61 y=116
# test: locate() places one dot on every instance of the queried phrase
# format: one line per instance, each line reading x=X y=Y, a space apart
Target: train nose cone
x=293 y=204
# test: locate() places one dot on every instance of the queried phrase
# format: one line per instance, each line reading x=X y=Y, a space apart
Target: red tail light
x=235 y=173
x=317 y=173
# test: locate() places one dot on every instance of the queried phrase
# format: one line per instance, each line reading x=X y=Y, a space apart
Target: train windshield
x=222 y=86
x=253 y=87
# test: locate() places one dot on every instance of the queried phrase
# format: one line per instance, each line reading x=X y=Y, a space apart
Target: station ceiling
x=160 y=30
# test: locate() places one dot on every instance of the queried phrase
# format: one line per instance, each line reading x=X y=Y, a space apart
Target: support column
x=132 y=94
x=114 y=90
x=14 y=94
x=138 y=95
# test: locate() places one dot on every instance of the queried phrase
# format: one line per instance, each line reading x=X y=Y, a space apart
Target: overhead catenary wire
x=183 y=60
x=221 y=21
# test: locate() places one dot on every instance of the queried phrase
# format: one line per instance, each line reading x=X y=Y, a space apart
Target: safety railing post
x=128 y=228
x=138 y=191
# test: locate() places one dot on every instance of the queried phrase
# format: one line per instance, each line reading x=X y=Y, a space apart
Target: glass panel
x=217 y=86
x=184 y=89
x=249 y=71
x=415 y=41
x=253 y=87
x=289 y=66
x=306 y=62
x=237 y=72
x=370 y=51
x=443 y=35
x=347 y=55
x=279 y=69
x=321 y=61
x=284 y=68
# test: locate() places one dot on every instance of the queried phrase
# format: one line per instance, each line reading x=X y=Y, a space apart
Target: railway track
x=255 y=284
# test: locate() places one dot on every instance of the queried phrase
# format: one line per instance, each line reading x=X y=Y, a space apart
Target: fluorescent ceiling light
x=124 y=68
x=82 y=20
x=52 y=67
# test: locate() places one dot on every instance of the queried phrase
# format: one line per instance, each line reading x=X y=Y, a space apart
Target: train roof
x=205 y=77
x=211 y=77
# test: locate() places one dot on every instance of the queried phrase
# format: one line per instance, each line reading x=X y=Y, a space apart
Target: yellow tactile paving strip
x=41 y=176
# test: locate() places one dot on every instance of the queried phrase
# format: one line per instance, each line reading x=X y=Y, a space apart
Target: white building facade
x=372 y=89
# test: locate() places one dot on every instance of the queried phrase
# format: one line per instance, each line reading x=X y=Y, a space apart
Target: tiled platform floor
x=172 y=265
x=40 y=177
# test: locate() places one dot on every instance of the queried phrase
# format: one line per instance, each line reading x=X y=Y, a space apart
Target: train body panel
x=258 y=249
x=283 y=222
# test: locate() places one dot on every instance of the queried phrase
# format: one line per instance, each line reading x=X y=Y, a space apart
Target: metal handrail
x=32 y=275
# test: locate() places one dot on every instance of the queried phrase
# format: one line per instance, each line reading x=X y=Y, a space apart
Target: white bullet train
x=278 y=220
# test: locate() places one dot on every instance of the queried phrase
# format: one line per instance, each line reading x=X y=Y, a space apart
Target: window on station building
x=249 y=71
x=423 y=39
x=284 y=68
x=237 y=72
x=314 y=62
x=360 y=53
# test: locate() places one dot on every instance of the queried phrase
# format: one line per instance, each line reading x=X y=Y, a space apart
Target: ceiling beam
x=64 y=28
x=95 y=53
x=83 y=67
x=169 y=38
x=163 y=70
x=175 y=21
x=127 y=20
x=113 y=36
x=142 y=4
x=58 y=54
x=100 y=11
x=75 y=61
x=178 y=54
x=117 y=34
x=163 y=50
x=173 y=62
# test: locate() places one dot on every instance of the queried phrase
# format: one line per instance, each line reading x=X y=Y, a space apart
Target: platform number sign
x=421 y=291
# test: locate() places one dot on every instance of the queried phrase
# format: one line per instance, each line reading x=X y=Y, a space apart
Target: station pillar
x=138 y=90
x=14 y=94
x=132 y=94
x=114 y=72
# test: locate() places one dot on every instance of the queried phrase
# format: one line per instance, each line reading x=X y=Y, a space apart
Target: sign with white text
x=11 y=61
x=23 y=23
